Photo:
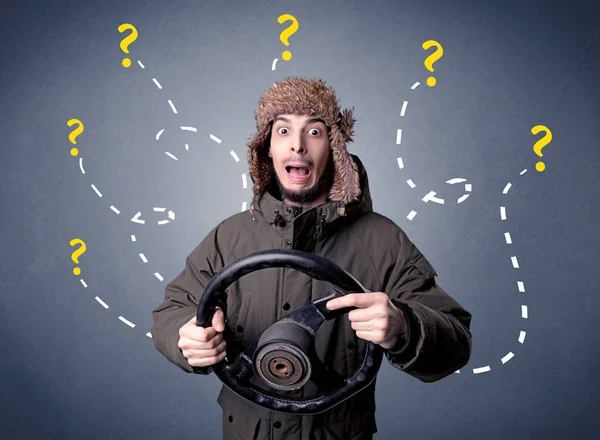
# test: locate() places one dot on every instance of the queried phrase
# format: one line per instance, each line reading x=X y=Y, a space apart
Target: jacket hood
x=311 y=97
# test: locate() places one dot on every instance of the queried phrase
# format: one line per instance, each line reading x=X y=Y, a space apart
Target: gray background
x=71 y=369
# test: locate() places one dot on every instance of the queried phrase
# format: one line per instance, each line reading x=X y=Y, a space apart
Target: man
x=310 y=194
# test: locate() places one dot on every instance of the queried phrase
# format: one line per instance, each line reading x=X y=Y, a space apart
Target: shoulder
x=382 y=237
x=225 y=235
x=233 y=228
x=373 y=225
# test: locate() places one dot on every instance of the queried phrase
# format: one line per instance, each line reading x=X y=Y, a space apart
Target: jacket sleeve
x=439 y=337
x=182 y=296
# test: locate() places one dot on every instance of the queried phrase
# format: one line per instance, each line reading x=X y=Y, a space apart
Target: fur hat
x=310 y=97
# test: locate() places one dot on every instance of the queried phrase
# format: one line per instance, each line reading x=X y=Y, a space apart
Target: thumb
x=218 y=320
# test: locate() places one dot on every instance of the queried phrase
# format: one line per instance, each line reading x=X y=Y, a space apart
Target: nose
x=297 y=143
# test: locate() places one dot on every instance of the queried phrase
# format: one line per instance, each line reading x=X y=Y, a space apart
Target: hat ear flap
x=346 y=182
x=346 y=124
x=260 y=165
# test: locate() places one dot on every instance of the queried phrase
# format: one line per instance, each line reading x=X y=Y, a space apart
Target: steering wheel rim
x=236 y=375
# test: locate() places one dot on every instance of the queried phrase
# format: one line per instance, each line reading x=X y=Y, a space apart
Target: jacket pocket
x=241 y=421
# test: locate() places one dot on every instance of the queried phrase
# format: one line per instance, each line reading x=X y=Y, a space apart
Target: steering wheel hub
x=282 y=366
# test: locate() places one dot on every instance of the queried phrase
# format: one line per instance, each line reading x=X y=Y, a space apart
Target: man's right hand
x=201 y=346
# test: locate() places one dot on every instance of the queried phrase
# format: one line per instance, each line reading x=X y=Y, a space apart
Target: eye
x=315 y=131
x=282 y=130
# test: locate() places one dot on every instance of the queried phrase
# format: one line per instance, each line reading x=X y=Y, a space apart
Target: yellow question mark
x=127 y=41
x=537 y=148
x=287 y=33
x=432 y=58
x=78 y=253
x=73 y=135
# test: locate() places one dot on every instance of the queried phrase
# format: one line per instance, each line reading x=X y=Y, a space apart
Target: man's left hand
x=376 y=318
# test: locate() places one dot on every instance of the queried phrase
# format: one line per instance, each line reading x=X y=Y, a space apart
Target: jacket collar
x=270 y=206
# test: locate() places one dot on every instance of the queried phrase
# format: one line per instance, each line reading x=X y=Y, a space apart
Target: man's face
x=301 y=154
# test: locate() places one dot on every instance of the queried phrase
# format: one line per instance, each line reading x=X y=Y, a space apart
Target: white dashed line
x=133 y=238
x=81 y=165
x=170 y=214
x=216 y=139
x=97 y=191
x=235 y=156
x=141 y=65
x=83 y=283
x=403 y=108
x=187 y=147
x=115 y=209
x=172 y=106
x=149 y=335
x=159 y=276
x=399 y=136
x=430 y=197
x=156 y=209
x=135 y=219
x=243 y=206
x=186 y=128
x=129 y=323
x=244 y=181
x=273 y=64
x=170 y=155
x=523 y=172
x=102 y=303
x=143 y=257
x=159 y=134
x=157 y=83
x=456 y=180
x=514 y=261
x=508 y=357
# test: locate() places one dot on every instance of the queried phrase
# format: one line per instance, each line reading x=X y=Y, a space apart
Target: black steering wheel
x=284 y=356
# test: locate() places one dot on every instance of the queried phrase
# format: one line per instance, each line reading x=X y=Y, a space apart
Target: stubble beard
x=309 y=195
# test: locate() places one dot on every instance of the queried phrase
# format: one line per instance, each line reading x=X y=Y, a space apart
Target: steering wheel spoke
x=325 y=378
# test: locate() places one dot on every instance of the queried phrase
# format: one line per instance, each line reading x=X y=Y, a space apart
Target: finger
x=206 y=345
x=200 y=334
x=205 y=362
x=207 y=351
x=362 y=315
x=218 y=320
x=360 y=300
x=363 y=326
x=188 y=343
x=373 y=336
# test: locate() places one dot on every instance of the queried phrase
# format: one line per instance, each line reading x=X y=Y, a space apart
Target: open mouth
x=298 y=174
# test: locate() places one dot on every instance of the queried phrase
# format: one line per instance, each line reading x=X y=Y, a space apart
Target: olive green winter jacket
x=370 y=247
